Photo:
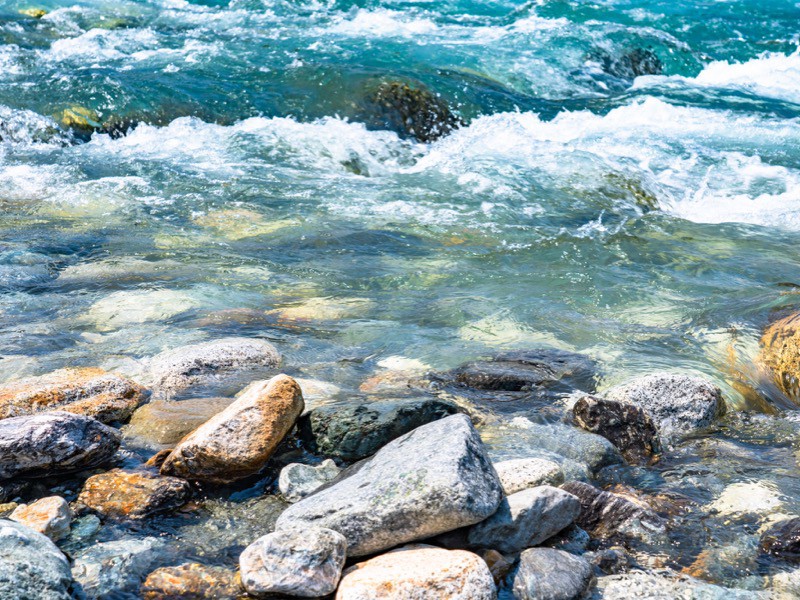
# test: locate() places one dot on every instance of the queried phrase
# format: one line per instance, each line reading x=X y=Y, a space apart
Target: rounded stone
x=49 y=516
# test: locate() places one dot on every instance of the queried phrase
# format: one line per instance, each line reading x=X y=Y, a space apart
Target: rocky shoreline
x=392 y=498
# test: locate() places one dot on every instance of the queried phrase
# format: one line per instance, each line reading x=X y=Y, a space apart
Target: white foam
x=381 y=23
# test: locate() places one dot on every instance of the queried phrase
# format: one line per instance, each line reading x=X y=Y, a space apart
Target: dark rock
x=573 y=540
x=783 y=540
x=610 y=561
x=632 y=64
x=548 y=574
x=31 y=566
x=626 y=426
x=434 y=479
x=53 y=443
x=355 y=432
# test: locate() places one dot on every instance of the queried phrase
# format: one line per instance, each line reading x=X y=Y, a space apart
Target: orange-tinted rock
x=780 y=353
x=239 y=441
x=120 y=494
x=50 y=516
x=91 y=392
x=192 y=581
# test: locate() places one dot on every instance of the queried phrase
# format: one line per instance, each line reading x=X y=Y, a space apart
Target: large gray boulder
x=434 y=479
x=549 y=574
x=31 y=566
x=53 y=443
x=526 y=519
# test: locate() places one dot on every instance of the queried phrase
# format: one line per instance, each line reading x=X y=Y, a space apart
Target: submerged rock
x=191 y=581
x=519 y=474
x=419 y=572
x=632 y=64
x=548 y=574
x=166 y=422
x=780 y=353
x=355 y=432
x=626 y=426
x=434 y=479
x=50 y=516
x=31 y=565
x=526 y=519
x=115 y=569
x=782 y=540
x=306 y=563
x=125 y=308
x=53 y=443
x=210 y=364
x=239 y=441
x=85 y=391
x=122 y=494
x=666 y=586
x=297 y=480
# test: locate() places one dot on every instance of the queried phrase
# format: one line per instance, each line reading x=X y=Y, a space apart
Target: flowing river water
x=651 y=222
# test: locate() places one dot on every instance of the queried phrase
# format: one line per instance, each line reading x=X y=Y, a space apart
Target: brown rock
x=90 y=392
x=499 y=565
x=120 y=494
x=192 y=581
x=239 y=441
x=50 y=516
x=164 y=422
x=780 y=353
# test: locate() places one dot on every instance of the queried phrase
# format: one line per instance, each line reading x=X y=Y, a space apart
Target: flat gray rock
x=113 y=569
x=306 y=563
x=297 y=480
x=526 y=519
x=549 y=574
x=53 y=443
x=519 y=474
x=434 y=479
x=31 y=566
x=667 y=586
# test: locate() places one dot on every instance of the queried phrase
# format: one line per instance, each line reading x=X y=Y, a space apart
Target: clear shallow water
x=651 y=223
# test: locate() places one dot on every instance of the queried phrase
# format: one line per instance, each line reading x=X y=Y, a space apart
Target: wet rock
x=49 y=516
x=573 y=540
x=410 y=110
x=780 y=353
x=605 y=515
x=125 y=308
x=677 y=403
x=191 y=581
x=322 y=309
x=434 y=479
x=632 y=64
x=526 y=519
x=757 y=499
x=548 y=574
x=211 y=364
x=239 y=224
x=297 y=480
x=419 y=572
x=666 y=586
x=610 y=561
x=80 y=119
x=306 y=563
x=115 y=569
x=239 y=441
x=53 y=443
x=120 y=494
x=86 y=391
x=782 y=540
x=355 y=432
x=166 y=422
x=33 y=13
x=499 y=565
x=626 y=426
x=31 y=566
x=522 y=473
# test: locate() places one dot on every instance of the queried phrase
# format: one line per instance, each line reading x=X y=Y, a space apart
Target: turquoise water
x=651 y=222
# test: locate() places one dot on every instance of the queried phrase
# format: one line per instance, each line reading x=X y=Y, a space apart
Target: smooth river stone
x=667 y=586
x=50 y=516
x=210 y=365
x=122 y=309
x=548 y=574
x=297 y=480
x=166 y=422
x=780 y=353
x=54 y=443
x=520 y=474
x=432 y=480
x=116 y=569
x=419 y=572
x=120 y=494
x=306 y=563
x=90 y=392
x=191 y=581
x=239 y=441
x=31 y=565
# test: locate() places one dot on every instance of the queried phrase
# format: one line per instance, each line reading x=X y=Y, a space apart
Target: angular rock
x=211 y=365
x=355 y=432
x=122 y=494
x=677 y=403
x=166 y=422
x=297 y=480
x=666 y=586
x=239 y=441
x=434 y=479
x=519 y=474
x=191 y=581
x=548 y=574
x=627 y=426
x=526 y=519
x=53 y=443
x=419 y=572
x=49 y=516
x=782 y=540
x=605 y=515
x=31 y=566
x=306 y=563
x=115 y=569
x=86 y=391
x=780 y=353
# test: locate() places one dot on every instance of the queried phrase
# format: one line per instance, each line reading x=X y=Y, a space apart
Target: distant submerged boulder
x=631 y=64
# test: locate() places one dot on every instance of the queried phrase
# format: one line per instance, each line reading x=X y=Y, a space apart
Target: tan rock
x=239 y=441
x=50 y=516
x=120 y=494
x=165 y=422
x=419 y=572
x=240 y=223
x=324 y=309
x=91 y=392
x=192 y=581
x=780 y=353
